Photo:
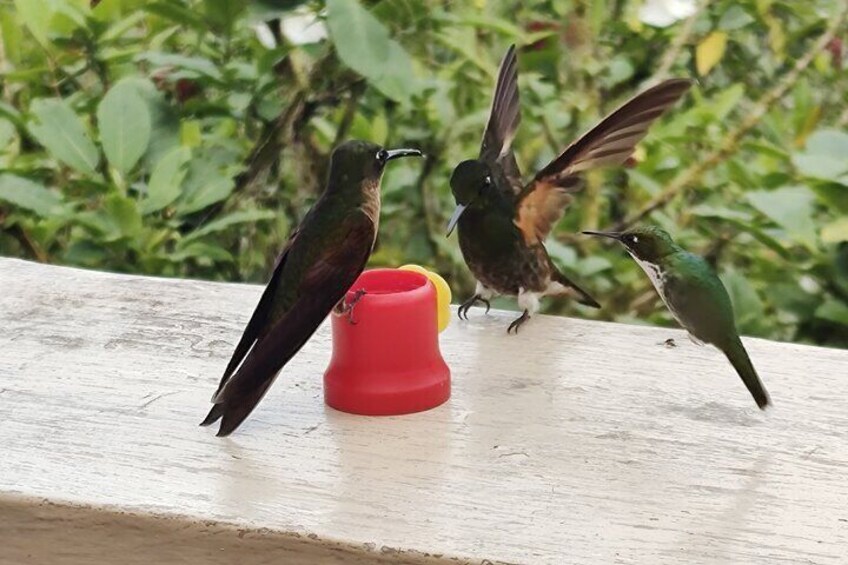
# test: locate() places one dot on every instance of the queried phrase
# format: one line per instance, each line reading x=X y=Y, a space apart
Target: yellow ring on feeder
x=443 y=293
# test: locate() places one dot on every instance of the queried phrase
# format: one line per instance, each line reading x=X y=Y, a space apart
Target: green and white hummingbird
x=321 y=260
x=694 y=294
x=503 y=222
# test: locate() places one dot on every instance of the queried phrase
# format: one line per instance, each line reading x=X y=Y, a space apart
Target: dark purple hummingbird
x=321 y=260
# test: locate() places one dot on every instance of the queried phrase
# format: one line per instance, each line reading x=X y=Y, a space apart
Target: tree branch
x=19 y=233
x=731 y=141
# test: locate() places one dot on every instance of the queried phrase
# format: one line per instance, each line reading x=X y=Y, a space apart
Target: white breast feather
x=655 y=273
x=658 y=279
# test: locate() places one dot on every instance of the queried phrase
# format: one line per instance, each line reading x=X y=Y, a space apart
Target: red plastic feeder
x=388 y=362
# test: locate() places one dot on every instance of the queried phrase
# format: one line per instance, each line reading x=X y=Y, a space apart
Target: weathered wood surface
x=575 y=442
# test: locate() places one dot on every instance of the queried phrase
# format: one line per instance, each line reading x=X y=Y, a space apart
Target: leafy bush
x=185 y=138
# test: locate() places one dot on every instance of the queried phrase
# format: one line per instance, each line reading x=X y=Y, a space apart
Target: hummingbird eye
x=488 y=180
x=382 y=155
x=633 y=239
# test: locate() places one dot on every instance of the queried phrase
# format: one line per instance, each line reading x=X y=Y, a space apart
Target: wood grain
x=574 y=442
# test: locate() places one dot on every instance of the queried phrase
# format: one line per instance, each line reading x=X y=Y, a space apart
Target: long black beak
x=460 y=208
x=396 y=153
x=612 y=234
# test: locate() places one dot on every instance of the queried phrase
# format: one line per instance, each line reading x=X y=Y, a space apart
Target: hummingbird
x=695 y=296
x=503 y=222
x=323 y=257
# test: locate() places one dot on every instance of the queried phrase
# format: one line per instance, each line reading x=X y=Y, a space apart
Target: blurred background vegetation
x=185 y=138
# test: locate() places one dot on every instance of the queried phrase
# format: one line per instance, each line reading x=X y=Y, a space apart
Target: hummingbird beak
x=612 y=235
x=460 y=208
x=396 y=153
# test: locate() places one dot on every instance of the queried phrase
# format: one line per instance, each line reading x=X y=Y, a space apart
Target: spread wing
x=318 y=278
x=543 y=201
x=504 y=117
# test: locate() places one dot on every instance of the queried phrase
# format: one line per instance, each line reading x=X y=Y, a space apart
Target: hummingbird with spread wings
x=321 y=260
x=695 y=296
x=503 y=222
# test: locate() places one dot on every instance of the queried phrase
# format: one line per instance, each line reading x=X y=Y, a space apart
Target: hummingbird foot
x=347 y=308
x=518 y=322
x=462 y=312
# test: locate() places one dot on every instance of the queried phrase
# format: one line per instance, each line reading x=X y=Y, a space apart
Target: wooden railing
x=574 y=442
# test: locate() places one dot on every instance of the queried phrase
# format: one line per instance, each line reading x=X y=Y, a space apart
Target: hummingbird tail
x=234 y=411
x=575 y=291
x=738 y=357
x=214 y=415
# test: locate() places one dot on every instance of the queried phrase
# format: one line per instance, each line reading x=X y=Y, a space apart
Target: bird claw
x=462 y=312
x=518 y=322
x=348 y=308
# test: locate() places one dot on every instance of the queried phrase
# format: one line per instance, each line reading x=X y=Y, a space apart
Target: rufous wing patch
x=540 y=209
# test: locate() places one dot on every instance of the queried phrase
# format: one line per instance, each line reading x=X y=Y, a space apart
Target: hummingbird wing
x=504 y=117
x=308 y=282
x=258 y=321
x=543 y=201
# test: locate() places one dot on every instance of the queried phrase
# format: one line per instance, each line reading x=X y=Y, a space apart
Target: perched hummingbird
x=694 y=295
x=503 y=222
x=321 y=260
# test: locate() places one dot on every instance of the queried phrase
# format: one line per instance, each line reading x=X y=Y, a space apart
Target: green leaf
x=124 y=215
x=175 y=12
x=619 y=70
x=214 y=191
x=85 y=253
x=36 y=15
x=220 y=224
x=834 y=311
x=790 y=207
x=222 y=14
x=563 y=255
x=206 y=253
x=30 y=195
x=190 y=133
x=166 y=180
x=210 y=177
x=12 y=114
x=735 y=18
x=836 y=231
x=747 y=306
x=164 y=122
x=820 y=166
x=707 y=211
x=44 y=18
x=60 y=130
x=726 y=101
x=182 y=66
x=364 y=45
x=593 y=265
x=266 y=10
x=833 y=143
x=479 y=21
x=824 y=156
x=124 y=122
x=7 y=132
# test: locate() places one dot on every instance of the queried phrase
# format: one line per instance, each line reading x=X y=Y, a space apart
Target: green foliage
x=380 y=59
x=186 y=137
x=58 y=129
